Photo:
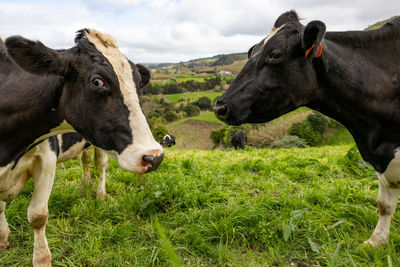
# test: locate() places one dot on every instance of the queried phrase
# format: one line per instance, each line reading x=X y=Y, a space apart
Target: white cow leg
x=387 y=202
x=101 y=162
x=43 y=175
x=4 y=229
x=86 y=166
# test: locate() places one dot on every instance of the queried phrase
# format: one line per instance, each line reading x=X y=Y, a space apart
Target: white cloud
x=178 y=30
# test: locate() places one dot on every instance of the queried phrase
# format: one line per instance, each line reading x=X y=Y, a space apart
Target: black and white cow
x=73 y=146
x=353 y=77
x=239 y=140
x=168 y=140
x=91 y=88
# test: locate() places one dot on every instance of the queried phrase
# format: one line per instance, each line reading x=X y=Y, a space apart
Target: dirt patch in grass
x=193 y=134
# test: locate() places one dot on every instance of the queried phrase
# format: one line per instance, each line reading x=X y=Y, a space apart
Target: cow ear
x=35 y=57
x=250 y=51
x=144 y=75
x=312 y=37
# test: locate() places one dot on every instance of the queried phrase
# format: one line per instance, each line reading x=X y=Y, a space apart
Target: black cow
x=239 y=140
x=91 y=88
x=353 y=77
x=168 y=140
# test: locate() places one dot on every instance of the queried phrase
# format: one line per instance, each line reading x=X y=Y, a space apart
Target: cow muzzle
x=221 y=110
x=140 y=160
x=151 y=162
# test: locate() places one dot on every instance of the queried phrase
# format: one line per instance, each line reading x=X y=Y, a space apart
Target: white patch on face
x=64 y=127
x=143 y=140
x=270 y=35
x=392 y=172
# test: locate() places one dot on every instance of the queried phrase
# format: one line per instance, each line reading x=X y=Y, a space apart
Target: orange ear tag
x=319 y=52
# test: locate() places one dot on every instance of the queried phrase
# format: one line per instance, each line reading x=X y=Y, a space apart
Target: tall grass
x=276 y=129
x=257 y=207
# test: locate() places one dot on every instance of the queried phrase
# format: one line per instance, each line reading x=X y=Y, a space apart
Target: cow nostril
x=152 y=162
x=221 y=110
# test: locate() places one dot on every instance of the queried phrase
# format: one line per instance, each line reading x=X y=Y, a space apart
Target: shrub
x=217 y=136
x=204 y=103
x=306 y=132
x=224 y=135
x=289 y=141
x=318 y=122
x=154 y=114
x=159 y=131
x=170 y=116
x=191 y=110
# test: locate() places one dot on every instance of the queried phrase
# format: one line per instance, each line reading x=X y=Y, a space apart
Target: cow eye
x=276 y=55
x=98 y=82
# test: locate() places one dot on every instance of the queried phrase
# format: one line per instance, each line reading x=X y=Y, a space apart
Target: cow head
x=279 y=75
x=99 y=97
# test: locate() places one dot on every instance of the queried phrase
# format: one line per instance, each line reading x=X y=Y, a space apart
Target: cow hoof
x=42 y=260
x=4 y=245
x=375 y=242
x=101 y=195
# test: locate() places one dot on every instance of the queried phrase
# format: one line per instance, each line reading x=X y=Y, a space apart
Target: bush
x=224 y=135
x=191 y=110
x=170 y=116
x=204 y=103
x=306 y=132
x=289 y=141
x=154 y=114
x=318 y=122
x=159 y=131
x=217 y=136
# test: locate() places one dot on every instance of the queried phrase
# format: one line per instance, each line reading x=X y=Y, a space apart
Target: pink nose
x=152 y=160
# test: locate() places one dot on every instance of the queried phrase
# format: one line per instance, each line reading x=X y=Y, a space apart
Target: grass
x=191 y=133
x=257 y=207
x=207 y=116
x=174 y=98
x=276 y=129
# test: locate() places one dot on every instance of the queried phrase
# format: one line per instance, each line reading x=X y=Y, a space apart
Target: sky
x=156 y=31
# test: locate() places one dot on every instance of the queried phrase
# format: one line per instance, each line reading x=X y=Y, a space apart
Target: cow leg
x=387 y=202
x=86 y=165
x=4 y=229
x=43 y=175
x=101 y=162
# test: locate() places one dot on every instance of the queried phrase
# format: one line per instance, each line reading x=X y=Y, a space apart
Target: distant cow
x=168 y=140
x=239 y=140
x=91 y=88
x=353 y=77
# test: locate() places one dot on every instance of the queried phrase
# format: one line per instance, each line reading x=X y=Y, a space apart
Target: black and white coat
x=92 y=89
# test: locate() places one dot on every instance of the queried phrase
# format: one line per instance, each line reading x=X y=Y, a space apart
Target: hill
x=225 y=62
x=380 y=23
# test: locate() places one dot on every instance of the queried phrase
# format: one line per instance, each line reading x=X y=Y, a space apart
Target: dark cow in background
x=239 y=140
x=353 y=77
x=168 y=140
x=92 y=89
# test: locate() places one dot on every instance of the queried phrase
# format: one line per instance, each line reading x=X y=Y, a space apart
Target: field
x=258 y=207
x=174 y=98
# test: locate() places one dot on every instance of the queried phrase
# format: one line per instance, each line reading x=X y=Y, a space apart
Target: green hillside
x=257 y=207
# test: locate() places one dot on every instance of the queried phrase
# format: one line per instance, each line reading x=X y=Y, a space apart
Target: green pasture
x=255 y=207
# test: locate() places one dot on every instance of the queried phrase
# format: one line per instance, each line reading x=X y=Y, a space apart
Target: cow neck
x=30 y=114
x=353 y=82
x=363 y=93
